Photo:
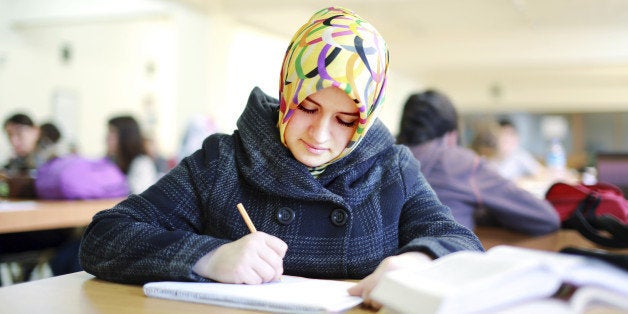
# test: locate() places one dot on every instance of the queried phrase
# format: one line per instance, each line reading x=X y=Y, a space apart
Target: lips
x=314 y=149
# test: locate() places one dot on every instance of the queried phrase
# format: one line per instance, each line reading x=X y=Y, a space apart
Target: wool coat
x=371 y=204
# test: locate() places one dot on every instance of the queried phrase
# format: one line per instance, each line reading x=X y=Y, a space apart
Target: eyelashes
x=347 y=124
x=308 y=111
x=340 y=121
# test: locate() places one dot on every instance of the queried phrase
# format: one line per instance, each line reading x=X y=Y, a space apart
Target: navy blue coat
x=371 y=204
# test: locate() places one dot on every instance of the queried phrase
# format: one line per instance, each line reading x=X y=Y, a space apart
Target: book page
x=465 y=282
x=589 y=297
x=505 y=279
x=290 y=295
x=572 y=269
x=7 y=206
x=583 y=300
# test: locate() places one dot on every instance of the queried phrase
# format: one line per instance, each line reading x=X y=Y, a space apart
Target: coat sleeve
x=155 y=235
x=510 y=206
x=426 y=225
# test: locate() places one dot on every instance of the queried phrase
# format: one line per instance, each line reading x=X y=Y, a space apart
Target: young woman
x=125 y=146
x=320 y=177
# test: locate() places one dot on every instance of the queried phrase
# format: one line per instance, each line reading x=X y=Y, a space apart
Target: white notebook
x=290 y=295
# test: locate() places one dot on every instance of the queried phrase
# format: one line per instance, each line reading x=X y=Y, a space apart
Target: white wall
x=155 y=60
x=105 y=75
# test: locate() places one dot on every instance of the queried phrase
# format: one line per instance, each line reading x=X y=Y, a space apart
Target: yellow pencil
x=244 y=215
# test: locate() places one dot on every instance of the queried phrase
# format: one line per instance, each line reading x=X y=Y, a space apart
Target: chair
x=20 y=267
x=612 y=167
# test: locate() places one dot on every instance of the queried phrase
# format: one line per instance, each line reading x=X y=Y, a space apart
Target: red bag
x=565 y=198
x=591 y=209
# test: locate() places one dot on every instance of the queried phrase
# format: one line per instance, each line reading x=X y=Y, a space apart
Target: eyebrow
x=355 y=114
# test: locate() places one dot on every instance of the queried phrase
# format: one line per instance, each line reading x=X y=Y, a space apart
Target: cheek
x=344 y=134
x=289 y=134
x=112 y=142
x=32 y=138
x=296 y=125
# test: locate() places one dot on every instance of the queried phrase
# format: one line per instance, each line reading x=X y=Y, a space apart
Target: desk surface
x=32 y=215
x=551 y=242
x=82 y=293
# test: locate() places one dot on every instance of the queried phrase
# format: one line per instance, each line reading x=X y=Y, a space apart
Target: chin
x=312 y=163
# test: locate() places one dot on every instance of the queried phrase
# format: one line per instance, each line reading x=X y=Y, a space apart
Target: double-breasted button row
x=285 y=216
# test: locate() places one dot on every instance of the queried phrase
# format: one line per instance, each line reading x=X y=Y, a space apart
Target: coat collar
x=266 y=163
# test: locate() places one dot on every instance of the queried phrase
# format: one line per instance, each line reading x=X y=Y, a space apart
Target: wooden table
x=551 y=242
x=82 y=293
x=31 y=215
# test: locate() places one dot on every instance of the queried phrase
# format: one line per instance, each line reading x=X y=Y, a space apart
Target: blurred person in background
x=511 y=160
x=33 y=146
x=475 y=192
x=152 y=150
x=23 y=135
x=50 y=143
x=126 y=147
x=198 y=128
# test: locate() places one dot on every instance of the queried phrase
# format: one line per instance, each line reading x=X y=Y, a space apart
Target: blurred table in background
x=18 y=215
x=539 y=184
x=555 y=241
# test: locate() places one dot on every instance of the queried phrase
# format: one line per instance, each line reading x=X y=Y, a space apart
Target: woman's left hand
x=365 y=286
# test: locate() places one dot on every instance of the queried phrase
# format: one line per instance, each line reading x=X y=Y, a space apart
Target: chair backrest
x=612 y=167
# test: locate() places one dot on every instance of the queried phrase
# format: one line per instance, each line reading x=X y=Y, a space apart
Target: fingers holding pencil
x=252 y=259
x=278 y=245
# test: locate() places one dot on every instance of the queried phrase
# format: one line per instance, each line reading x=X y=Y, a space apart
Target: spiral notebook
x=290 y=295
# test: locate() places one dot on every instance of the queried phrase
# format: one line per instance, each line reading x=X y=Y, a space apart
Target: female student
x=320 y=177
x=125 y=146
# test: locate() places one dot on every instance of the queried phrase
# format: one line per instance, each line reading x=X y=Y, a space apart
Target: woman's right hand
x=253 y=259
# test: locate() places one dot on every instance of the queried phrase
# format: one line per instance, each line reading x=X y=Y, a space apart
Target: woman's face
x=321 y=127
x=112 y=141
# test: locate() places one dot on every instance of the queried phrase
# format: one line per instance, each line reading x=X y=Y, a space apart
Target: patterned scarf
x=335 y=48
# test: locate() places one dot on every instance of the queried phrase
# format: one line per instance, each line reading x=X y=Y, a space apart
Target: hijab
x=336 y=47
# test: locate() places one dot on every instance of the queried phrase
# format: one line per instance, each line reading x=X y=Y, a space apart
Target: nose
x=319 y=130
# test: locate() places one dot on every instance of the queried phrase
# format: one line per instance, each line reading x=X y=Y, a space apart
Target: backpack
x=76 y=177
x=599 y=212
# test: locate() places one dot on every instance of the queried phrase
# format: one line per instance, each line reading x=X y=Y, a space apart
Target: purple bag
x=75 y=177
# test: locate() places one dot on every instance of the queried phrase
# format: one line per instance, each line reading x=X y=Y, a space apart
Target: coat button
x=339 y=217
x=285 y=215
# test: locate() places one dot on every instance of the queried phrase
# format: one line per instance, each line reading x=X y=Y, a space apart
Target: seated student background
x=126 y=147
x=500 y=143
x=197 y=129
x=475 y=192
x=32 y=148
x=23 y=135
x=329 y=192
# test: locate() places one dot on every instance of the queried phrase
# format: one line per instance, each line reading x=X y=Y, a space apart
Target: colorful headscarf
x=337 y=48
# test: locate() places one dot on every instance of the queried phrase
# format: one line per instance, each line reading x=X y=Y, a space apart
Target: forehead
x=18 y=128
x=333 y=98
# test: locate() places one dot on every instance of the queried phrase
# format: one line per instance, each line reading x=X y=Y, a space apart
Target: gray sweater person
x=475 y=192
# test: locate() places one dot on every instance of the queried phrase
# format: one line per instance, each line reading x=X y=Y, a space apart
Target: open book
x=503 y=278
x=290 y=295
